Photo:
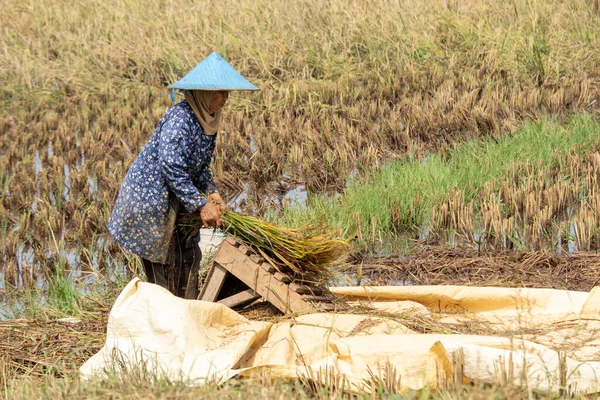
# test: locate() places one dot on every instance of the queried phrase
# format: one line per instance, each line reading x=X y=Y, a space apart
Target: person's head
x=217 y=100
x=207 y=106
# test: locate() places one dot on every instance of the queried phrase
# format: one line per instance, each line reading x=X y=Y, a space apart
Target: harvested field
x=30 y=348
x=434 y=265
x=35 y=351
x=468 y=124
x=341 y=93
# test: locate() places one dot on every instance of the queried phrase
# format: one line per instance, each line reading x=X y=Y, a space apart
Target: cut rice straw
x=308 y=253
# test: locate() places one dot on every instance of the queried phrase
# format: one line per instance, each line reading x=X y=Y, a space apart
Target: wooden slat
x=214 y=282
x=282 y=277
x=240 y=298
x=257 y=259
x=268 y=267
x=245 y=250
x=262 y=282
x=232 y=241
x=306 y=289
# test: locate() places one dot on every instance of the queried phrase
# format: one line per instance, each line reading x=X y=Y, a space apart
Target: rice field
x=533 y=190
x=470 y=125
x=39 y=357
x=347 y=86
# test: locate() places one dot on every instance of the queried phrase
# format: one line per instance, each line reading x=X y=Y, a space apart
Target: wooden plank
x=298 y=288
x=261 y=281
x=306 y=289
x=246 y=296
x=214 y=283
x=315 y=298
x=318 y=290
x=282 y=277
x=268 y=267
x=245 y=250
x=257 y=259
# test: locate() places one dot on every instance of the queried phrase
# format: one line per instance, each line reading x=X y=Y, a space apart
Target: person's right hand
x=211 y=216
x=216 y=198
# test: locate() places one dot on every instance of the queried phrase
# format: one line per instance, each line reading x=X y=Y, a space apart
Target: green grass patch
x=82 y=292
x=403 y=197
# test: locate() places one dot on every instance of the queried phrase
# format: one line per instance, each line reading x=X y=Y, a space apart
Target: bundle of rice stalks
x=308 y=253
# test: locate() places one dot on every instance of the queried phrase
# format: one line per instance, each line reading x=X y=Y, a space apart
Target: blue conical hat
x=213 y=73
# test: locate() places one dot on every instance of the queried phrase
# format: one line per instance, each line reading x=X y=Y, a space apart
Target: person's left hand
x=211 y=216
x=216 y=199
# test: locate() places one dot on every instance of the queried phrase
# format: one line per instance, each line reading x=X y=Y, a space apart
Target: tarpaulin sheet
x=196 y=340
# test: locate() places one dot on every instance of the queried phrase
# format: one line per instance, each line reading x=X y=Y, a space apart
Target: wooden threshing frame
x=260 y=279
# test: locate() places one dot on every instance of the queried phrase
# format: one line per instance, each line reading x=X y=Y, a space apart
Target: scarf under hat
x=199 y=100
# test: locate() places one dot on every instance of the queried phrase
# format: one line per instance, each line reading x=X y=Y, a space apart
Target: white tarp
x=184 y=339
x=196 y=340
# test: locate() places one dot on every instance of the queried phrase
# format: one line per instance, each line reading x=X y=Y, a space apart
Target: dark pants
x=180 y=275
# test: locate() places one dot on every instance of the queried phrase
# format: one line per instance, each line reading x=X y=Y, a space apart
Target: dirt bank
x=431 y=265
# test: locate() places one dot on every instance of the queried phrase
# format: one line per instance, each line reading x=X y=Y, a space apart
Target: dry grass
x=47 y=348
x=345 y=86
x=436 y=265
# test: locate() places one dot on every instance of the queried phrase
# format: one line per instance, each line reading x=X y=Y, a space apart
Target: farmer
x=171 y=178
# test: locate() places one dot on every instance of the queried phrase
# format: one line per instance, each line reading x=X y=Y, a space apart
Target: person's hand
x=211 y=216
x=216 y=199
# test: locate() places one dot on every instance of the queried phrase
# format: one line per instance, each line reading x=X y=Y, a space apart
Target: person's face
x=217 y=100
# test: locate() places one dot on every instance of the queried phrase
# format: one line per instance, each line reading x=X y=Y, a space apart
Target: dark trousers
x=180 y=275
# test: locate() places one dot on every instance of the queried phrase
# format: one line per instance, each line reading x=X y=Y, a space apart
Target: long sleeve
x=204 y=181
x=174 y=161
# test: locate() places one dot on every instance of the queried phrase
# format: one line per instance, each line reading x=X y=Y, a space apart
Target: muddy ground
x=434 y=265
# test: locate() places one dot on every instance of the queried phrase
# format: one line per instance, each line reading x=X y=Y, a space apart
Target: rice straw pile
x=307 y=253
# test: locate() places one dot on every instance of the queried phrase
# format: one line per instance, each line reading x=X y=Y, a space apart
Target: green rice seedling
x=516 y=187
x=4 y=222
x=61 y=292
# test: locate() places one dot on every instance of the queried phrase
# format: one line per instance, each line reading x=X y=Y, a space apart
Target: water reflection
x=37 y=165
x=93 y=187
x=67 y=183
x=296 y=196
x=572 y=238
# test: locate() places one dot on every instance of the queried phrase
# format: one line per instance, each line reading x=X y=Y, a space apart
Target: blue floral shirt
x=171 y=171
